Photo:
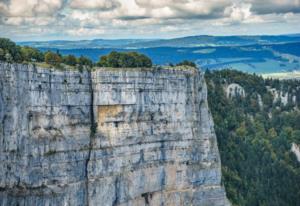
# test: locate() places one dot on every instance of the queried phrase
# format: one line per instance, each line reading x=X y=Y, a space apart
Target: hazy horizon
x=165 y=38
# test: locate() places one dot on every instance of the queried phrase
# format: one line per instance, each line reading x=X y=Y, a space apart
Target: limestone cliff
x=109 y=137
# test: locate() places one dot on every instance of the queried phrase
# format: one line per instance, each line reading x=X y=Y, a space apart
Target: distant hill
x=195 y=41
x=252 y=54
x=190 y=41
x=257 y=58
x=95 y=43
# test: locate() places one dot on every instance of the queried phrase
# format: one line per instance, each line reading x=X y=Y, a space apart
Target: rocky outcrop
x=279 y=96
x=234 y=90
x=285 y=97
x=109 y=137
x=296 y=150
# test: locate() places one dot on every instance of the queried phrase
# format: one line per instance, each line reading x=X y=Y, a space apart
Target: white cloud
x=238 y=12
x=85 y=32
x=30 y=8
x=184 y=8
x=142 y=17
x=32 y=12
x=37 y=21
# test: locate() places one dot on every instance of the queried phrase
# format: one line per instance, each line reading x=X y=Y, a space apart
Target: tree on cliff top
x=70 y=60
x=187 y=63
x=82 y=60
x=52 y=58
x=9 y=51
x=31 y=54
x=125 y=59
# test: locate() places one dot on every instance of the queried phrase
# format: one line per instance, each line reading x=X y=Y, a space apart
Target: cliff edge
x=109 y=137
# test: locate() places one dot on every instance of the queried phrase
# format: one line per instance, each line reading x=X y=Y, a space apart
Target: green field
x=283 y=75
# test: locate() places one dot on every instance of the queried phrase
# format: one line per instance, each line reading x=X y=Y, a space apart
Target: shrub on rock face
x=2 y=54
x=52 y=58
x=8 y=57
x=125 y=59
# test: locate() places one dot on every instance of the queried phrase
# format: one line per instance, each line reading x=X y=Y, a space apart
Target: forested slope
x=255 y=134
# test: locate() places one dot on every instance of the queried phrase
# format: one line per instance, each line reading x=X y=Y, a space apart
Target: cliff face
x=110 y=137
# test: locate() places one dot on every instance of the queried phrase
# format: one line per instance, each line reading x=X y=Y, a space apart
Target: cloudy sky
x=87 y=19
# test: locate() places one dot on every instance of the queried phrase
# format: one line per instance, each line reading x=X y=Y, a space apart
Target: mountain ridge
x=187 y=41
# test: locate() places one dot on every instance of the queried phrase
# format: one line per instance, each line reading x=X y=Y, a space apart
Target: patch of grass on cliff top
x=181 y=67
x=145 y=69
x=61 y=67
x=283 y=75
x=124 y=68
x=43 y=65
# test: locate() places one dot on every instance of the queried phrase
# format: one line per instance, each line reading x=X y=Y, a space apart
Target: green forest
x=255 y=140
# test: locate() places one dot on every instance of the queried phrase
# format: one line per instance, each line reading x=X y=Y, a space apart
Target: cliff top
x=41 y=66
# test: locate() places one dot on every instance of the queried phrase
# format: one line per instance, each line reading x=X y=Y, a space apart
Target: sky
x=31 y=20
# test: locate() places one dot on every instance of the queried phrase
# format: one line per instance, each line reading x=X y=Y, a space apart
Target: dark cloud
x=102 y=5
x=131 y=18
x=275 y=6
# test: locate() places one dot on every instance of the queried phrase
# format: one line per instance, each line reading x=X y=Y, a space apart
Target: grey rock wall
x=109 y=137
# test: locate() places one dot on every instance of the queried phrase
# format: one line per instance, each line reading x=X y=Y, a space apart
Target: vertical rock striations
x=44 y=144
x=110 y=137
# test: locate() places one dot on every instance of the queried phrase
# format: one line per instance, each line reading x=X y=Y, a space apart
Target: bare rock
x=110 y=137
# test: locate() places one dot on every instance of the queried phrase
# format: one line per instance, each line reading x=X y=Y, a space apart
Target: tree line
x=124 y=59
x=11 y=52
